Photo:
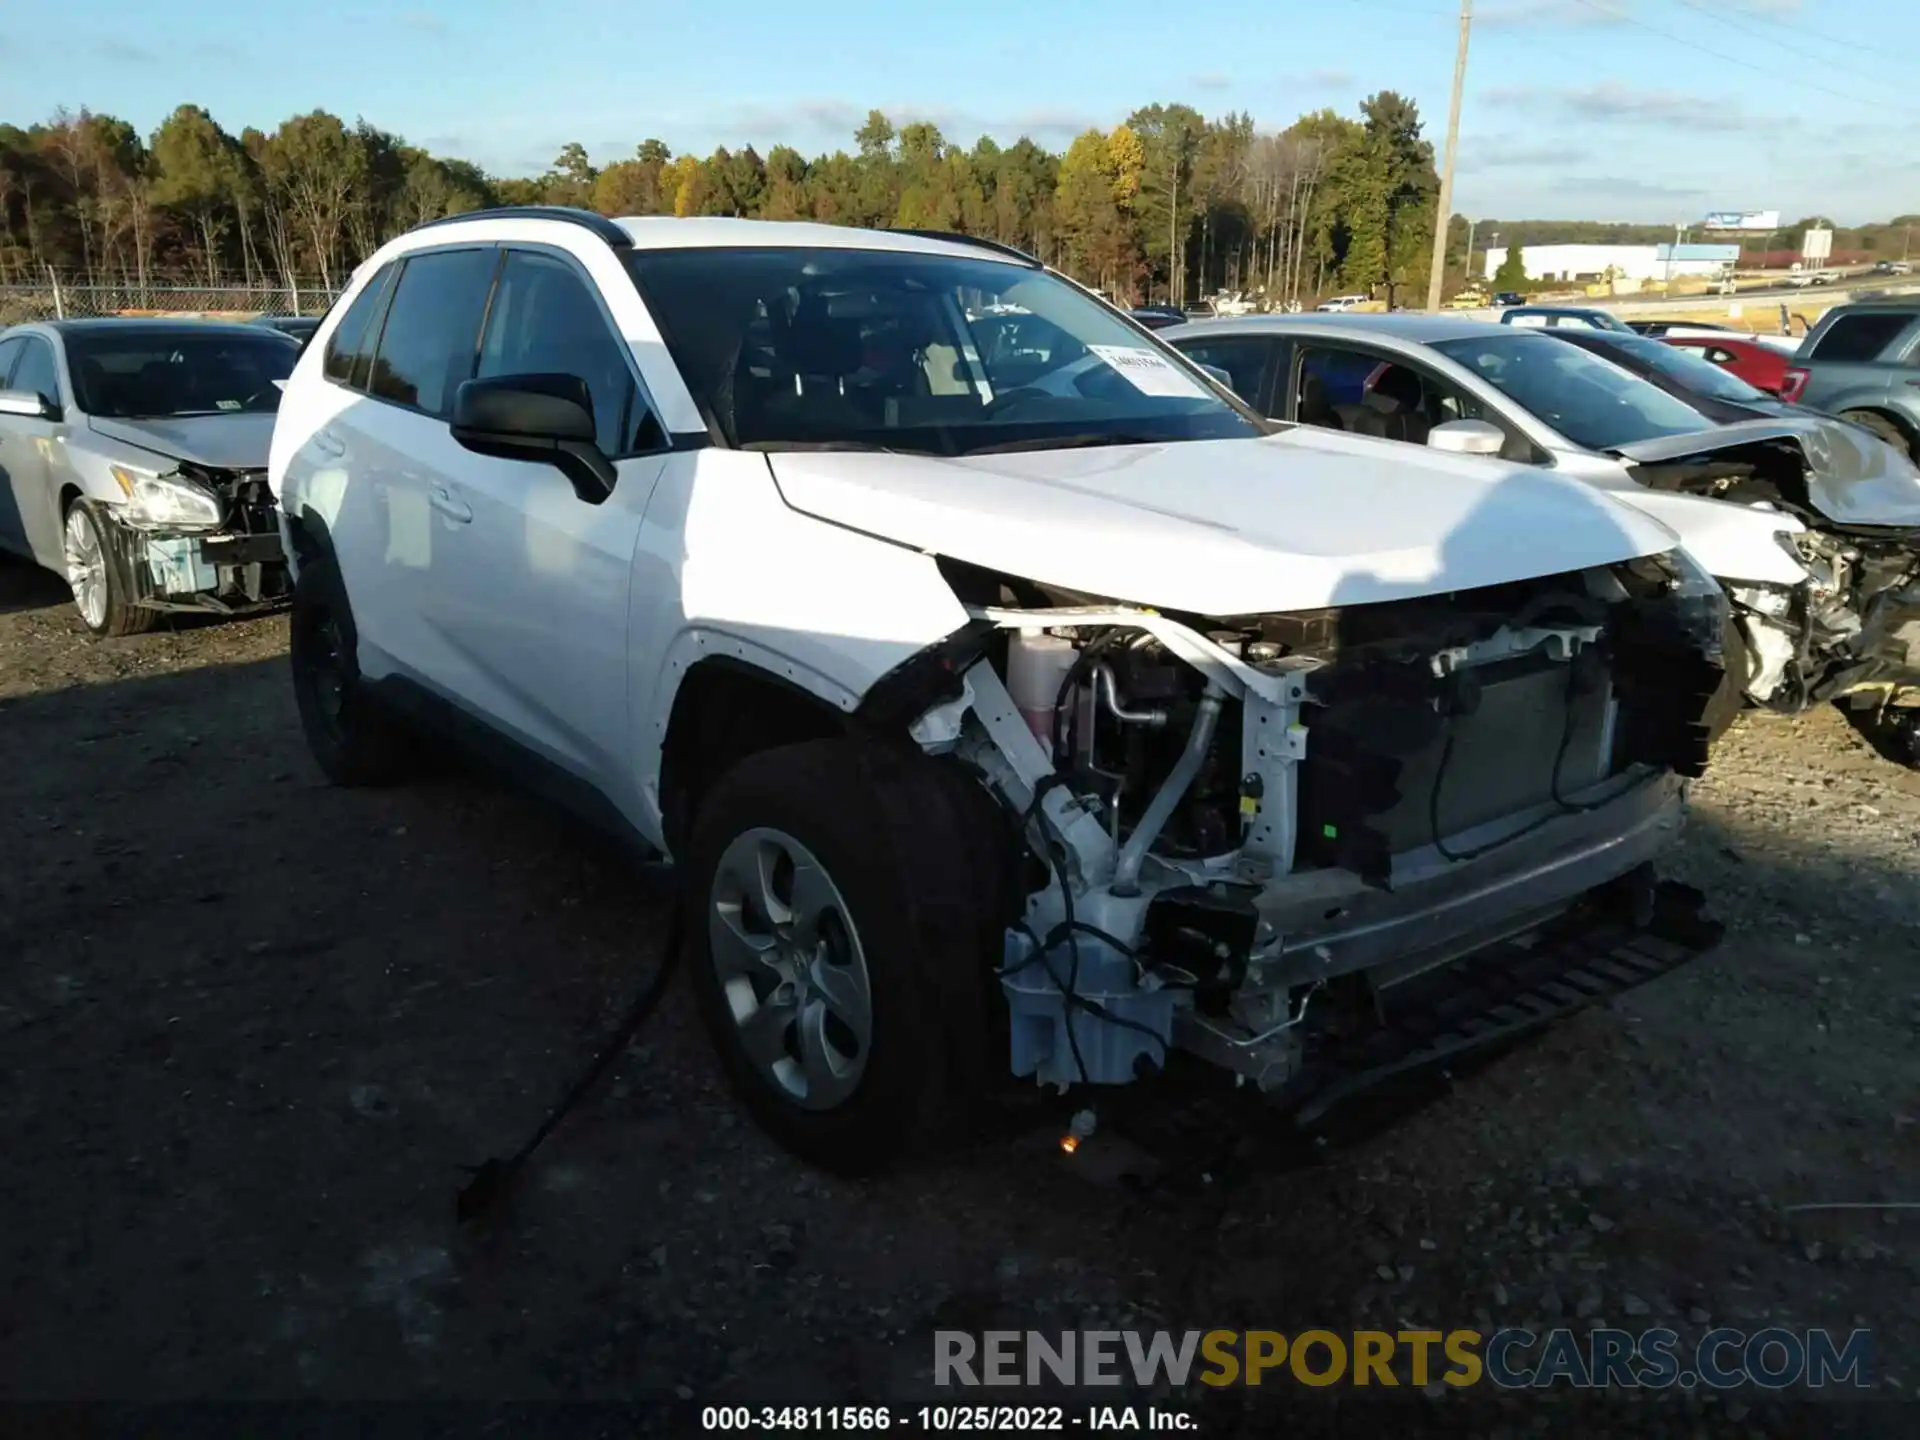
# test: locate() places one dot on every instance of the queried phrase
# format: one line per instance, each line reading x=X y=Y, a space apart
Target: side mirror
x=28 y=403
x=545 y=419
x=1467 y=437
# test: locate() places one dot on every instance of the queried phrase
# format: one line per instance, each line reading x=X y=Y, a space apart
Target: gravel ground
x=251 y=1026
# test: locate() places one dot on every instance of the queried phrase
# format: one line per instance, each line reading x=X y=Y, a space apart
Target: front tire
x=355 y=742
x=839 y=946
x=102 y=590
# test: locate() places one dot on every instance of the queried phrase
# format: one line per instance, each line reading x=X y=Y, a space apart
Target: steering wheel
x=1008 y=398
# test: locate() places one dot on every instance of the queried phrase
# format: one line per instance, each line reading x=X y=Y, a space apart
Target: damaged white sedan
x=1009 y=696
x=133 y=459
x=1811 y=522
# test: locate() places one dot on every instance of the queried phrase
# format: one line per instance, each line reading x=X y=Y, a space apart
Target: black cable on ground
x=493 y=1178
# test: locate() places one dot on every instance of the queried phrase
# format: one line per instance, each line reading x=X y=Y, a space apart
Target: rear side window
x=1860 y=337
x=432 y=333
x=350 y=347
x=1243 y=360
x=9 y=352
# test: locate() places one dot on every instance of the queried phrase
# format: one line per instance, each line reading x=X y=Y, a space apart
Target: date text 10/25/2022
x=942 y=1419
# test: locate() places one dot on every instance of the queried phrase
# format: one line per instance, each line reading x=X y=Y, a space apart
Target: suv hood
x=1301 y=520
x=1853 y=476
x=219 y=442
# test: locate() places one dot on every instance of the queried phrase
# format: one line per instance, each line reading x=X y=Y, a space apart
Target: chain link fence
x=59 y=301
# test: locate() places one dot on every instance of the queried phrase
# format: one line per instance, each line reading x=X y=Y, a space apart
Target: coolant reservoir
x=1037 y=666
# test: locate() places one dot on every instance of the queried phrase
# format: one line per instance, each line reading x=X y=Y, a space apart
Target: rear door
x=398 y=457
x=527 y=594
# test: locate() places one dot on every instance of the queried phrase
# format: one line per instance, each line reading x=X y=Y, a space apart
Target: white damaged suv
x=1009 y=696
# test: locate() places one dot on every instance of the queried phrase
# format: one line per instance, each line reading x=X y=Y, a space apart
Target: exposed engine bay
x=236 y=567
x=1853 y=626
x=1243 y=832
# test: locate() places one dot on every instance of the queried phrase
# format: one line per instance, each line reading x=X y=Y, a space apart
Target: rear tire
x=840 y=945
x=1886 y=428
x=97 y=574
x=354 y=741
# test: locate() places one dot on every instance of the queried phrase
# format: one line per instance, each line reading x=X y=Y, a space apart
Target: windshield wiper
x=1071 y=442
x=871 y=446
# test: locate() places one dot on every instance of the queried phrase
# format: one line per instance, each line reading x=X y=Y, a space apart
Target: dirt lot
x=250 y=1026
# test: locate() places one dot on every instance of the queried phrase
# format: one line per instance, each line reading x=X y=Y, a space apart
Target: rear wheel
x=353 y=740
x=1887 y=428
x=839 y=946
x=102 y=590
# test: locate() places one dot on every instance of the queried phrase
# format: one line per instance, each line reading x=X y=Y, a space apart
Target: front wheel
x=839 y=946
x=102 y=591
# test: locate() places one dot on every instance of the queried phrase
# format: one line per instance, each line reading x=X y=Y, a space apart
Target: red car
x=1761 y=366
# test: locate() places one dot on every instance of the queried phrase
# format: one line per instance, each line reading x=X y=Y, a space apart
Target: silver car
x=133 y=459
x=1811 y=524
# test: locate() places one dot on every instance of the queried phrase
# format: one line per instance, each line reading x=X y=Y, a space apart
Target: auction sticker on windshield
x=1149 y=373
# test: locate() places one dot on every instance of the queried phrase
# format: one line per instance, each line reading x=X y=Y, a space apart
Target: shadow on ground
x=253 y=1027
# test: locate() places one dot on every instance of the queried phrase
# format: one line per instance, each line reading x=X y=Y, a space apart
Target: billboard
x=1748 y=220
x=1816 y=245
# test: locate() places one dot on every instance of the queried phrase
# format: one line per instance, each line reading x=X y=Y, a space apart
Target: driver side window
x=545 y=321
x=1339 y=388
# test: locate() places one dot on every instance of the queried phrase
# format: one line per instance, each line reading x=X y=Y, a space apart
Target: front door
x=528 y=589
x=34 y=447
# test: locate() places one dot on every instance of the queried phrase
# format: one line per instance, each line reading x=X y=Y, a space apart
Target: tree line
x=1168 y=204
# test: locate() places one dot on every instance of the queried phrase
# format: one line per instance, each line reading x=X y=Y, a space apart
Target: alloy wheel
x=86 y=567
x=791 y=968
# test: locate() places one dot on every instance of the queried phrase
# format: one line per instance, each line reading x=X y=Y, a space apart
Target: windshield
x=1591 y=401
x=1695 y=372
x=141 y=374
x=865 y=349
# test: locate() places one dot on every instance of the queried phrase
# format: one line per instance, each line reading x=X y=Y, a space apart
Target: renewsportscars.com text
x=1774 y=1359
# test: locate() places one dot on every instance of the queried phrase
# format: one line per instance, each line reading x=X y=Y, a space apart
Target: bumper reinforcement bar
x=1499 y=995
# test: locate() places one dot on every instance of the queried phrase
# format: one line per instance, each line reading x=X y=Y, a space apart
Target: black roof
x=592 y=220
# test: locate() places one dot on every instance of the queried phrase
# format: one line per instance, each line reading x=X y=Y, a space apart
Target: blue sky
x=1649 y=110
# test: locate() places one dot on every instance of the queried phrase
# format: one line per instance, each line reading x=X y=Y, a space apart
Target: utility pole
x=1446 y=168
x=1472 y=225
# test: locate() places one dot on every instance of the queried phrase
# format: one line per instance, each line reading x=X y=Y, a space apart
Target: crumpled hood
x=1854 y=477
x=220 y=442
x=1296 y=521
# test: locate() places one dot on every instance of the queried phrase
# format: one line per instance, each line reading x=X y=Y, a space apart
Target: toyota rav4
x=1008 y=695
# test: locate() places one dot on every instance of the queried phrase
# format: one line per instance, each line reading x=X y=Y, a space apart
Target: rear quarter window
x=1861 y=337
x=350 y=347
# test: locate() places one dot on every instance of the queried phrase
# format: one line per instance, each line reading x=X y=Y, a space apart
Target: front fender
x=1733 y=542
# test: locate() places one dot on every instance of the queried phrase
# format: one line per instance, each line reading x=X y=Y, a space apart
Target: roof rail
x=954 y=237
x=599 y=224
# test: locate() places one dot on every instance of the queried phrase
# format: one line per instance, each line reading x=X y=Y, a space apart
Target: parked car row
x=1003 y=679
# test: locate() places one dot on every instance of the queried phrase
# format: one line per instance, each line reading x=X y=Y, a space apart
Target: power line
x=1789 y=46
x=1721 y=55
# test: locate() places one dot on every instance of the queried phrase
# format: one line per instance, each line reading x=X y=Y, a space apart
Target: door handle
x=329 y=444
x=1914 y=383
x=442 y=499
